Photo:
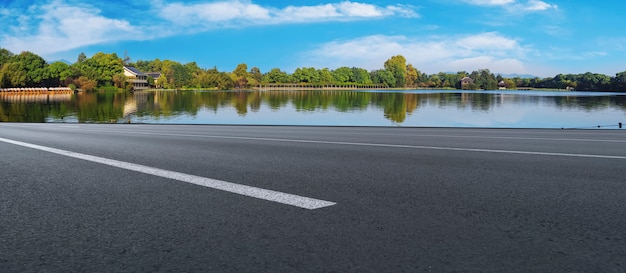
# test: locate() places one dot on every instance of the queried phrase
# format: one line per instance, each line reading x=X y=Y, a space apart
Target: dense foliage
x=102 y=71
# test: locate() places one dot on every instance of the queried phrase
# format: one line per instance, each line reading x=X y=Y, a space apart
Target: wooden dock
x=37 y=90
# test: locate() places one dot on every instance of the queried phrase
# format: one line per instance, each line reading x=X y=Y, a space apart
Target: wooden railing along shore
x=37 y=90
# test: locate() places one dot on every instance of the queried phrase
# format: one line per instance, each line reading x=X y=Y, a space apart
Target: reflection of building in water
x=134 y=103
x=35 y=97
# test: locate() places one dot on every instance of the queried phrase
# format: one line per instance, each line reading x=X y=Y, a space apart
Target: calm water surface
x=500 y=109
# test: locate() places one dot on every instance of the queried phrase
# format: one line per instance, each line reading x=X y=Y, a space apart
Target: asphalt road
x=121 y=198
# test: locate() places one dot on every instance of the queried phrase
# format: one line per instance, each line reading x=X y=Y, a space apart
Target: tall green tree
x=397 y=66
x=240 y=76
x=81 y=57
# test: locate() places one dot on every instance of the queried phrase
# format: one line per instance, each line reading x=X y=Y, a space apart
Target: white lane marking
x=373 y=145
x=269 y=195
x=533 y=138
x=512 y=138
x=424 y=147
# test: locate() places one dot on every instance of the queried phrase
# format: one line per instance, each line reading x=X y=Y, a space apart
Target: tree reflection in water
x=153 y=106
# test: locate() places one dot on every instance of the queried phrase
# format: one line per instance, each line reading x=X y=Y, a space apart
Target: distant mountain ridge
x=63 y=61
x=515 y=75
x=510 y=76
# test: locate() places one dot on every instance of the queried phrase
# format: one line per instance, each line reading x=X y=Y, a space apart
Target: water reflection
x=411 y=108
x=34 y=97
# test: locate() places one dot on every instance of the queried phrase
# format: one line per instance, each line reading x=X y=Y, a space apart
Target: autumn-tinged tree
x=120 y=80
x=411 y=75
x=85 y=83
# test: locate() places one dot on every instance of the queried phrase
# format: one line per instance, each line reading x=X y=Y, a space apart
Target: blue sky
x=541 y=38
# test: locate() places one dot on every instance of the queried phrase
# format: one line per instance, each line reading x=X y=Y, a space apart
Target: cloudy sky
x=541 y=38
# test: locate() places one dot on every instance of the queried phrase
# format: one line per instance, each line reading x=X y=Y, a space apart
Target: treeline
x=106 y=71
x=30 y=70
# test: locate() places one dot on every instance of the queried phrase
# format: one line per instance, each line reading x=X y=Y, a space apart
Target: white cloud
x=487 y=41
x=490 y=2
x=241 y=12
x=497 y=65
x=536 y=5
x=182 y=14
x=515 y=6
x=435 y=54
x=58 y=27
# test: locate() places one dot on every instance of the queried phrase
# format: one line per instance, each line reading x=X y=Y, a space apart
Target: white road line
x=424 y=147
x=269 y=195
x=374 y=145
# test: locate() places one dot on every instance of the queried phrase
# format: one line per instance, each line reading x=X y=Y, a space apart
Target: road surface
x=177 y=198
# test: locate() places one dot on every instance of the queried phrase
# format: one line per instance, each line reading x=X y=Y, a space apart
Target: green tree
x=5 y=56
x=434 y=81
x=383 y=76
x=56 y=73
x=343 y=74
x=13 y=75
x=484 y=79
x=161 y=82
x=276 y=76
x=240 y=76
x=397 y=66
x=593 y=82
x=23 y=70
x=619 y=82
x=361 y=76
x=81 y=57
x=176 y=75
x=255 y=74
x=326 y=76
x=306 y=75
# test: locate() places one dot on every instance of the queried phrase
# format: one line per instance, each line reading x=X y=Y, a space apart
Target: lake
x=415 y=108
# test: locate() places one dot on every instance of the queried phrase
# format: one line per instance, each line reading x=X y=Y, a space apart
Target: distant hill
x=522 y=76
x=62 y=60
x=510 y=76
